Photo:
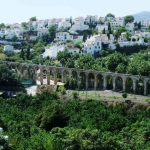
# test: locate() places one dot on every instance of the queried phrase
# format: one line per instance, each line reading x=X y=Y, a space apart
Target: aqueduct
x=95 y=79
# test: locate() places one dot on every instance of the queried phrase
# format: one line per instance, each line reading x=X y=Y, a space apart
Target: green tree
x=109 y=27
x=103 y=31
x=119 y=31
x=22 y=54
x=71 y=20
x=2 y=25
x=9 y=77
x=124 y=95
x=33 y=19
x=84 y=37
x=24 y=25
x=113 y=60
x=28 y=53
x=139 y=25
x=110 y=15
x=14 y=38
x=128 y=18
x=52 y=32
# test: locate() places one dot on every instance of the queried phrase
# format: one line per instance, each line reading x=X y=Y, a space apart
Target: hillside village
x=92 y=33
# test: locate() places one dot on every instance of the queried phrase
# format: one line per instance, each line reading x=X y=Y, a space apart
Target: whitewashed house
x=145 y=23
x=41 y=23
x=110 y=19
x=101 y=20
x=130 y=26
x=8 y=48
x=9 y=34
x=55 y=21
x=94 y=44
x=63 y=36
x=78 y=20
x=132 y=43
x=53 y=50
x=33 y=25
x=41 y=31
x=33 y=38
x=77 y=39
x=100 y=28
x=73 y=50
x=2 y=33
x=79 y=25
x=64 y=25
x=91 y=19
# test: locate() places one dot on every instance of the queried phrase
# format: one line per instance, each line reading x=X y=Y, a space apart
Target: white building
x=8 y=48
x=117 y=23
x=73 y=50
x=33 y=38
x=53 y=50
x=33 y=25
x=94 y=44
x=42 y=23
x=9 y=34
x=101 y=20
x=55 y=21
x=130 y=26
x=132 y=43
x=64 y=25
x=78 y=26
x=63 y=36
x=2 y=33
x=91 y=19
x=79 y=20
x=41 y=31
x=100 y=28
x=145 y=23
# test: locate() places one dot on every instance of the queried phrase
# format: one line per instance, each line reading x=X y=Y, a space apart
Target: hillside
x=144 y=15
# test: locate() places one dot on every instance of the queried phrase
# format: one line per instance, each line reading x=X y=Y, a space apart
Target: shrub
x=62 y=89
x=124 y=95
x=75 y=95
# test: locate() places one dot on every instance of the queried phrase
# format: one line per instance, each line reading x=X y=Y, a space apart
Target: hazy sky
x=13 y=11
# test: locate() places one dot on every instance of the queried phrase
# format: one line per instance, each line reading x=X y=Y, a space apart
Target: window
x=97 y=43
x=95 y=46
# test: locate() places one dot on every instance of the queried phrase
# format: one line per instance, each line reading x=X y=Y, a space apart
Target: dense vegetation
x=48 y=123
x=110 y=61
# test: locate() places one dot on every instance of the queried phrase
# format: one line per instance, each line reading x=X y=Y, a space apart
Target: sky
x=17 y=11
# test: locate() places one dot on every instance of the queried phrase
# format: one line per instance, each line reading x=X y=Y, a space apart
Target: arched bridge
x=91 y=77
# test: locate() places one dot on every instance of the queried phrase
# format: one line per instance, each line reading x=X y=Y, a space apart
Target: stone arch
x=65 y=76
x=90 y=81
x=140 y=87
x=31 y=71
x=59 y=75
x=82 y=81
x=24 y=71
x=119 y=83
x=148 y=87
x=100 y=81
x=109 y=80
x=74 y=80
x=129 y=85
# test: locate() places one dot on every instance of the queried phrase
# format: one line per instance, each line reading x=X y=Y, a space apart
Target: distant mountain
x=144 y=15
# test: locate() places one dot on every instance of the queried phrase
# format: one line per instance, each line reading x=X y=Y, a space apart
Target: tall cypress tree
x=84 y=37
x=22 y=54
x=28 y=53
x=103 y=32
x=109 y=27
